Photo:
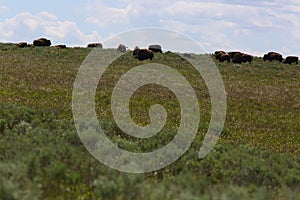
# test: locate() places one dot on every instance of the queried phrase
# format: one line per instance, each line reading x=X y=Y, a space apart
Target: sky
x=255 y=26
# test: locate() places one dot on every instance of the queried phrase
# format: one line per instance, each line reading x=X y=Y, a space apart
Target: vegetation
x=42 y=157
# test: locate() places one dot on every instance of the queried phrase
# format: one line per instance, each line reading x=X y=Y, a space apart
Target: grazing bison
x=233 y=53
x=22 y=44
x=273 y=56
x=97 y=45
x=122 y=48
x=60 y=46
x=42 y=42
x=143 y=54
x=242 y=58
x=155 y=48
x=219 y=53
x=135 y=50
x=291 y=59
x=224 y=57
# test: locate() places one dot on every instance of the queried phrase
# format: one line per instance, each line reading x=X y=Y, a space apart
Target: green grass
x=41 y=155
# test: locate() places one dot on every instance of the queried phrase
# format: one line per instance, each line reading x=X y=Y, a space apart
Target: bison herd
x=236 y=57
x=140 y=54
x=41 y=42
x=239 y=57
x=144 y=54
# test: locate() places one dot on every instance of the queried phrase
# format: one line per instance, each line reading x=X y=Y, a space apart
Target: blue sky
x=250 y=26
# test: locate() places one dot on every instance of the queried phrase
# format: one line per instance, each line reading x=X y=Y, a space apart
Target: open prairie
x=41 y=155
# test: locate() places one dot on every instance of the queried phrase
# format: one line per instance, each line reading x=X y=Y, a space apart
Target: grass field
x=41 y=155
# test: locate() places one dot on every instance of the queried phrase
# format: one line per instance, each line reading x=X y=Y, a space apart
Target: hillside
x=41 y=155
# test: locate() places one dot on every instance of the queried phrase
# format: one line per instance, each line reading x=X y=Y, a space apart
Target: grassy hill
x=257 y=156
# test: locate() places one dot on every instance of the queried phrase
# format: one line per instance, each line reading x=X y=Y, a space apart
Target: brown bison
x=291 y=59
x=60 y=46
x=233 y=53
x=97 y=45
x=273 y=56
x=218 y=53
x=22 y=44
x=121 y=48
x=222 y=56
x=155 y=48
x=242 y=58
x=135 y=51
x=143 y=54
x=42 y=42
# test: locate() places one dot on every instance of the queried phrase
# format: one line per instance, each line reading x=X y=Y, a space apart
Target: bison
x=121 y=48
x=143 y=54
x=291 y=59
x=60 y=46
x=96 y=45
x=155 y=48
x=22 y=44
x=233 y=53
x=135 y=50
x=222 y=56
x=242 y=58
x=218 y=53
x=273 y=56
x=42 y=42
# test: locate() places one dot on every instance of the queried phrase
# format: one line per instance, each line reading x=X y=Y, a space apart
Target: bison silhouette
x=233 y=53
x=222 y=56
x=291 y=59
x=155 y=48
x=42 y=42
x=60 y=46
x=242 y=58
x=273 y=56
x=22 y=44
x=97 y=45
x=143 y=54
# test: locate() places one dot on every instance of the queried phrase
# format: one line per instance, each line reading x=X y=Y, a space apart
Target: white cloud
x=103 y=16
x=26 y=27
x=240 y=25
x=3 y=8
x=255 y=26
x=207 y=37
x=213 y=10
